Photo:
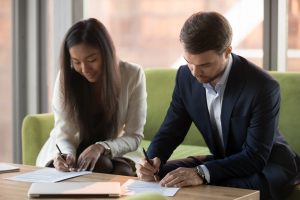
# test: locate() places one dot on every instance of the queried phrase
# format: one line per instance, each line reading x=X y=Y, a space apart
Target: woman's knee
x=121 y=167
x=104 y=165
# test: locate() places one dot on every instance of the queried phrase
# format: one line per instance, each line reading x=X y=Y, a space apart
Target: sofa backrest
x=289 y=118
x=160 y=85
x=35 y=131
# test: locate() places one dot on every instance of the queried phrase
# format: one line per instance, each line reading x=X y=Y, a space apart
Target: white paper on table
x=46 y=175
x=131 y=187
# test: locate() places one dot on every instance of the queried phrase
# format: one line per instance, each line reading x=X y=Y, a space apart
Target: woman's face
x=86 y=60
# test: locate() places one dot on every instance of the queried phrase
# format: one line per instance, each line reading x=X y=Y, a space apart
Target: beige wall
x=5 y=82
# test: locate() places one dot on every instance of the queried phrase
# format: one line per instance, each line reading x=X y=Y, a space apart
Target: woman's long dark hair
x=92 y=106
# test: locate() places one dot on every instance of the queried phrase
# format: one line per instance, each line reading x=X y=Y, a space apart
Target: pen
x=59 y=150
x=60 y=153
x=149 y=161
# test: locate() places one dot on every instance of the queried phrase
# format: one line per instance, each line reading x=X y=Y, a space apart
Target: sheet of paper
x=4 y=167
x=46 y=175
x=131 y=187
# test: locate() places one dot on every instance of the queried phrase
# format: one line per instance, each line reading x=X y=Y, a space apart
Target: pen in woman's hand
x=61 y=155
x=151 y=163
x=59 y=150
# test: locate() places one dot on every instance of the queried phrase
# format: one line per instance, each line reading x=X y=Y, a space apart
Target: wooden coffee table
x=14 y=190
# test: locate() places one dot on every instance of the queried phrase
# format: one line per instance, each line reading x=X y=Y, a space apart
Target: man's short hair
x=204 y=31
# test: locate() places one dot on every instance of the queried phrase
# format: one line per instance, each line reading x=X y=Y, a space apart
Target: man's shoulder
x=184 y=72
x=250 y=70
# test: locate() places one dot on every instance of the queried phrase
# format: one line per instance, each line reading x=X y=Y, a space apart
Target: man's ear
x=228 y=51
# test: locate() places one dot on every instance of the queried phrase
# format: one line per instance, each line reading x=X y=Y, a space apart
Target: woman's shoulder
x=128 y=69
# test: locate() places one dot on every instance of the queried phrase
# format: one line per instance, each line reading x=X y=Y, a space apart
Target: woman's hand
x=89 y=157
x=146 y=171
x=64 y=162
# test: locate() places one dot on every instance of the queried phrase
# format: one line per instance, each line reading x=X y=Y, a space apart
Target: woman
x=99 y=105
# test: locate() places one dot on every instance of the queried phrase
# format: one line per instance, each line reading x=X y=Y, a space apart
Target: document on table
x=46 y=175
x=131 y=187
x=4 y=168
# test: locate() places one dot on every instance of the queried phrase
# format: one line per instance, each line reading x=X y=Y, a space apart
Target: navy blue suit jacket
x=249 y=116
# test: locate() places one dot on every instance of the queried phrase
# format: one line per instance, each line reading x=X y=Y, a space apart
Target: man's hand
x=181 y=177
x=89 y=157
x=64 y=162
x=145 y=171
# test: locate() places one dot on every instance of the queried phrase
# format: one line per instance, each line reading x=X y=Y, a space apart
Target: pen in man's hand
x=150 y=162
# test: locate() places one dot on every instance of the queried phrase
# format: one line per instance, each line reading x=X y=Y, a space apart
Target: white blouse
x=132 y=118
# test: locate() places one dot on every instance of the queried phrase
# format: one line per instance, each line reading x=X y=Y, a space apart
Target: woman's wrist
x=101 y=148
x=106 y=149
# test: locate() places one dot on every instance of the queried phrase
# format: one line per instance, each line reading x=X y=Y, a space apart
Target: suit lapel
x=234 y=86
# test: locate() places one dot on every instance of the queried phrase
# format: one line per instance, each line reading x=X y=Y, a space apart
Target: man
x=235 y=105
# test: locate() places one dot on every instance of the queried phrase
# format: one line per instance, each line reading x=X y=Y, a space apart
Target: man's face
x=207 y=67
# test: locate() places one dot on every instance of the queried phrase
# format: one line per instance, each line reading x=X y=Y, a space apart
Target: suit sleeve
x=174 y=127
x=257 y=147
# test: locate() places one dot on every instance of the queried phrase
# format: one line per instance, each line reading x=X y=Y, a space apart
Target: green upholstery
x=35 y=132
x=183 y=150
x=289 y=120
x=146 y=196
x=290 y=113
x=160 y=84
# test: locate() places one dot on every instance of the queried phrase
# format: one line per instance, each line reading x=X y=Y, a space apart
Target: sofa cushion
x=160 y=85
x=35 y=131
x=183 y=150
x=289 y=123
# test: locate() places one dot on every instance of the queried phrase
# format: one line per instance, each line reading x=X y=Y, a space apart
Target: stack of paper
x=132 y=187
x=8 y=168
x=46 y=175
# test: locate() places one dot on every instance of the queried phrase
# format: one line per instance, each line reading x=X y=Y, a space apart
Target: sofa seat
x=183 y=150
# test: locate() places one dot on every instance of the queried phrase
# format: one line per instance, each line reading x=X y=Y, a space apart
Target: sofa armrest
x=35 y=131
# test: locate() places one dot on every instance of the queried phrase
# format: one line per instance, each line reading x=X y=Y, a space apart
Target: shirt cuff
x=206 y=172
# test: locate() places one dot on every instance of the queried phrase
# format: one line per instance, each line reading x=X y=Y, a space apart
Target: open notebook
x=75 y=189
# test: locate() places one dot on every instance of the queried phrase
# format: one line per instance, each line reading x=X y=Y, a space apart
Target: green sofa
x=160 y=83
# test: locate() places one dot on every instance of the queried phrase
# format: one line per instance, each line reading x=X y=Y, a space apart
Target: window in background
x=293 y=60
x=51 y=61
x=6 y=81
x=147 y=32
